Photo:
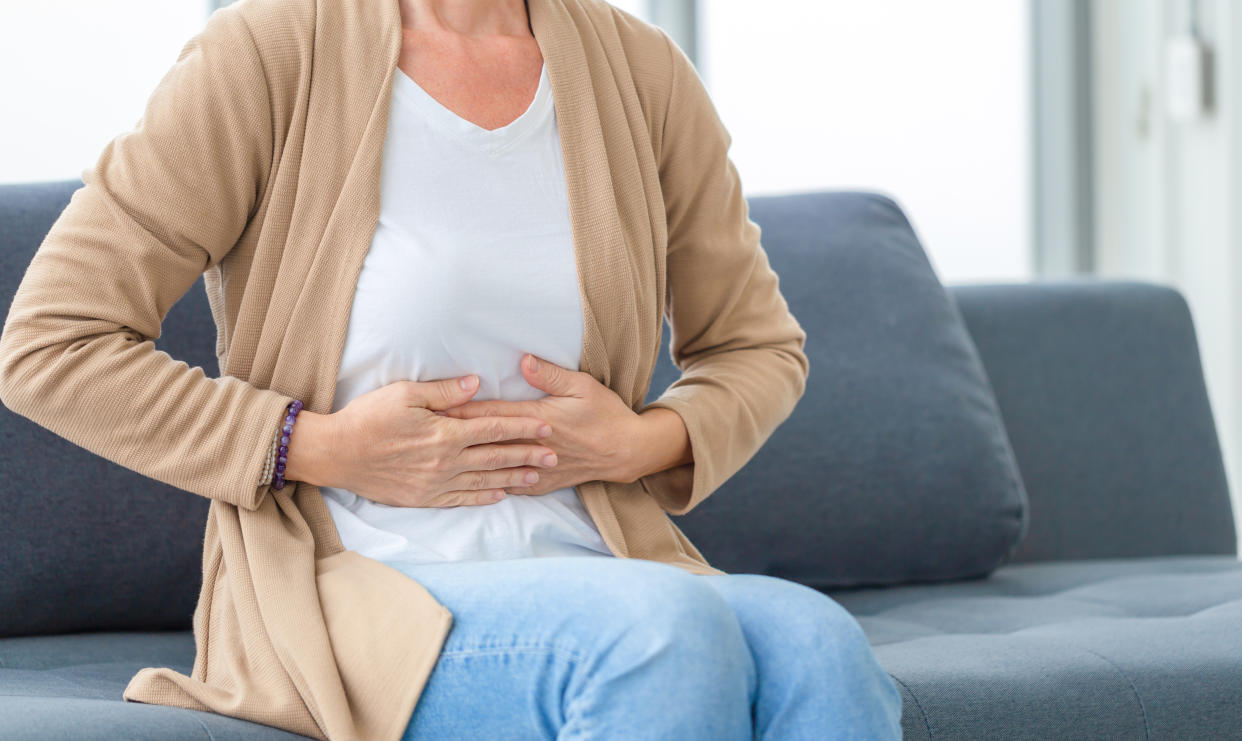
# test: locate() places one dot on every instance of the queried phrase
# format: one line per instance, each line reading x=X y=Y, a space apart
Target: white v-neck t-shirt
x=471 y=265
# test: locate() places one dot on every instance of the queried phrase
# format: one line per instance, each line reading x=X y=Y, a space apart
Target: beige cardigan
x=257 y=163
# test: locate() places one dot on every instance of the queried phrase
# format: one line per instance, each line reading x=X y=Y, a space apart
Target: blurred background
x=1025 y=138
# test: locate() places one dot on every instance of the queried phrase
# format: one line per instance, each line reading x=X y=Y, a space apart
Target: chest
x=472 y=261
x=489 y=91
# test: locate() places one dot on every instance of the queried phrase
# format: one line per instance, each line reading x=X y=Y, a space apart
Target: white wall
x=927 y=101
x=1169 y=193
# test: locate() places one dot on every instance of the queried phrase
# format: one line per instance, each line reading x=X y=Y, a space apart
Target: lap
x=567 y=601
x=563 y=602
x=529 y=633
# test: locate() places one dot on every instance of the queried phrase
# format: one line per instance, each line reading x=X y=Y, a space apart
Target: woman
x=390 y=200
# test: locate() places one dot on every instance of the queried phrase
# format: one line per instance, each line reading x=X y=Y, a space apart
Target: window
x=77 y=74
x=924 y=101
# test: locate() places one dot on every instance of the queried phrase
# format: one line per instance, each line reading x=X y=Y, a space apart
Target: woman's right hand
x=396 y=450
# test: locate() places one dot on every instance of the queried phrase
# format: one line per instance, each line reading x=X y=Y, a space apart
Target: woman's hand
x=593 y=429
x=392 y=448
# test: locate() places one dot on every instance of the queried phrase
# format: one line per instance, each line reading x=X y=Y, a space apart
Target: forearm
x=312 y=450
x=659 y=441
x=128 y=403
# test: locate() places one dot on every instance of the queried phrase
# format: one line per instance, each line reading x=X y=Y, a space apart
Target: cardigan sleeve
x=738 y=346
x=163 y=202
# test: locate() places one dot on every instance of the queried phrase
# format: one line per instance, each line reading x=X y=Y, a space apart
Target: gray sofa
x=1098 y=595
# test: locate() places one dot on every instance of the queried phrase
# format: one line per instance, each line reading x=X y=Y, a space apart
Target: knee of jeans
x=672 y=607
x=842 y=640
x=808 y=617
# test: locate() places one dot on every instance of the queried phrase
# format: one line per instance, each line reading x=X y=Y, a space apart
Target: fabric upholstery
x=1108 y=648
x=69 y=687
x=1102 y=391
x=895 y=466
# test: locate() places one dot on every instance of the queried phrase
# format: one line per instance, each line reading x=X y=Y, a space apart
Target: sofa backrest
x=87 y=544
x=894 y=467
x=1099 y=384
x=1103 y=394
x=1100 y=387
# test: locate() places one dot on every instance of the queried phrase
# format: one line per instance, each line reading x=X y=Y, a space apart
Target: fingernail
x=544 y=430
x=534 y=364
x=531 y=477
x=467 y=383
x=549 y=459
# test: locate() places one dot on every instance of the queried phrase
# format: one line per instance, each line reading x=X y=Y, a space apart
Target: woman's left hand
x=592 y=427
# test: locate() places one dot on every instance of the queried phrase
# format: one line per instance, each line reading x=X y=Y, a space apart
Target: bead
x=278 y=454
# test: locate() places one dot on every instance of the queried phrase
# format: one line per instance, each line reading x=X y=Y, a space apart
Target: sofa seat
x=1113 y=648
x=1127 y=648
x=69 y=687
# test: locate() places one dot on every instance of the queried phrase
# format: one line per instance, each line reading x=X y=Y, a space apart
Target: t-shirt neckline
x=438 y=115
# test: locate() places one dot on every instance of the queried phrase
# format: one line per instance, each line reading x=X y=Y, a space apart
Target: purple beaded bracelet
x=282 y=454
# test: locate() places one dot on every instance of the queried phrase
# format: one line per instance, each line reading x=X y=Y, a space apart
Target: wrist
x=658 y=440
x=310 y=449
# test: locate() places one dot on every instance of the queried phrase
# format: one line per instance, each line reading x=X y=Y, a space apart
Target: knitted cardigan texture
x=256 y=164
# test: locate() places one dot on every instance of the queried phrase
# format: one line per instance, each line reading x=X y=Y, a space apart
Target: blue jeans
x=585 y=647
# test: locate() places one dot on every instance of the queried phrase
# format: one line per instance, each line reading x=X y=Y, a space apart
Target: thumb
x=448 y=392
x=548 y=377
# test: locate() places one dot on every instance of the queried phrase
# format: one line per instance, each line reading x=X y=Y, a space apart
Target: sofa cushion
x=85 y=543
x=1103 y=395
x=1110 y=648
x=895 y=465
x=70 y=686
x=1121 y=648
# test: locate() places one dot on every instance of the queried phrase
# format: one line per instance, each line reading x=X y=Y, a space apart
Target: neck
x=466 y=17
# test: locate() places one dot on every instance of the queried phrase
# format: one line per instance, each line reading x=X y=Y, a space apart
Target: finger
x=493 y=408
x=545 y=485
x=474 y=498
x=480 y=430
x=517 y=441
x=498 y=479
x=500 y=455
x=442 y=394
x=550 y=377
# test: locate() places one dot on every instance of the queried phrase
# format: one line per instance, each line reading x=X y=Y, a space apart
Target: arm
x=164 y=202
x=657 y=442
x=738 y=346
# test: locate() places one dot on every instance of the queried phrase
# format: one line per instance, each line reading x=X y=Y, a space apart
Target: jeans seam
x=206 y=730
x=563 y=653
x=573 y=656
